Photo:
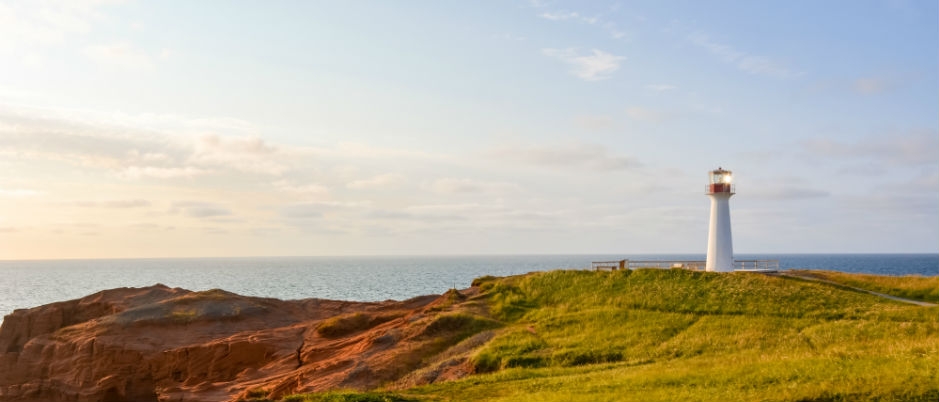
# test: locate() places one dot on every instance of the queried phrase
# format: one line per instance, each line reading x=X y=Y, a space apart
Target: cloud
x=198 y=209
x=381 y=181
x=149 y=226
x=121 y=54
x=568 y=15
x=597 y=65
x=558 y=15
x=595 y=122
x=40 y=24
x=303 y=211
x=125 y=146
x=871 y=85
x=614 y=31
x=114 y=204
x=911 y=148
x=753 y=64
x=139 y=172
x=18 y=192
x=510 y=37
x=35 y=136
x=661 y=87
x=423 y=217
x=790 y=193
x=645 y=114
x=452 y=185
x=299 y=214
x=562 y=15
x=585 y=156
x=305 y=189
x=249 y=154
x=537 y=3
x=365 y=151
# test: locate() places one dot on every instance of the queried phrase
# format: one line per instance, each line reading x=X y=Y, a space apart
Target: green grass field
x=911 y=286
x=667 y=335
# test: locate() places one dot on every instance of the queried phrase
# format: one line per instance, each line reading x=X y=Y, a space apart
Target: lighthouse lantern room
x=720 y=243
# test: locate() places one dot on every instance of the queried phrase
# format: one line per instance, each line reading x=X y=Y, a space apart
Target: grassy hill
x=666 y=335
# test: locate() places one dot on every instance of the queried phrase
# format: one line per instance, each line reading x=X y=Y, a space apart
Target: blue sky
x=161 y=129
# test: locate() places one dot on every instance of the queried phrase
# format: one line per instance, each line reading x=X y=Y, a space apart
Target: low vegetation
x=665 y=335
x=346 y=324
x=916 y=287
x=349 y=396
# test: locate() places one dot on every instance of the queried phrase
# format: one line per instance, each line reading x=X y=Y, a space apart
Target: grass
x=350 y=323
x=663 y=335
x=348 y=396
x=916 y=287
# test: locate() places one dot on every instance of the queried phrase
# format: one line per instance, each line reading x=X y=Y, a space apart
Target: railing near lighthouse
x=756 y=265
x=693 y=265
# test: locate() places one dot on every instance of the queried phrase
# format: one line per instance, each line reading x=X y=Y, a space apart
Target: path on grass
x=886 y=296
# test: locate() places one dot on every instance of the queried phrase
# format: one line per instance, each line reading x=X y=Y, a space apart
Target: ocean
x=27 y=284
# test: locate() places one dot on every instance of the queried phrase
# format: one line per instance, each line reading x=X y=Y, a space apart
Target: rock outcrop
x=170 y=344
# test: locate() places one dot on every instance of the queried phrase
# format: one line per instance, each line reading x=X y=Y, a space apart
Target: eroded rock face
x=163 y=344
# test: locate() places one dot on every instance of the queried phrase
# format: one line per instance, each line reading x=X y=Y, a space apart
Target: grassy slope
x=914 y=287
x=665 y=335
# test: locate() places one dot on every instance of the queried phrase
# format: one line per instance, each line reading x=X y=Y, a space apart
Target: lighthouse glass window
x=720 y=181
x=719 y=178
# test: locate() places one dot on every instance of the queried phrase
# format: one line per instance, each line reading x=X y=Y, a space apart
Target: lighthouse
x=720 y=243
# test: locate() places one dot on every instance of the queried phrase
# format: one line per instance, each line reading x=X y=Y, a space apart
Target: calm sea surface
x=26 y=284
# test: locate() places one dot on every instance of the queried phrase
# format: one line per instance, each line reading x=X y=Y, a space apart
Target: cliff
x=163 y=344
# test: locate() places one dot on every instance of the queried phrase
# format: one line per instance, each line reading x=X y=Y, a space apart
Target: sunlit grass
x=916 y=287
x=665 y=335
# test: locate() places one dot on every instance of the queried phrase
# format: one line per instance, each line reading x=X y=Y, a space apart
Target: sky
x=303 y=128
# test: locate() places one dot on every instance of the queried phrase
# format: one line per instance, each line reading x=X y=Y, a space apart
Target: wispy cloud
x=790 y=193
x=113 y=204
x=250 y=154
x=587 y=156
x=568 y=15
x=131 y=152
x=302 y=211
x=595 y=122
x=871 y=85
x=17 y=192
x=385 y=180
x=753 y=64
x=141 y=172
x=661 y=87
x=593 y=66
x=32 y=24
x=314 y=189
x=199 y=209
x=121 y=54
x=510 y=37
x=451 y=185
x=646 y=114
x=910 y=148
x=609 y=27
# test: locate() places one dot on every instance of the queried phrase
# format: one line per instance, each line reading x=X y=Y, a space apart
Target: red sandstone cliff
x=163 y=344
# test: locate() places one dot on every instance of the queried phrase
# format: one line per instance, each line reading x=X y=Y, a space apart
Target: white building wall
x=720 y=244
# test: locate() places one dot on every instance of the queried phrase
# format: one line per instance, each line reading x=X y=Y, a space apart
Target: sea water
x=25 y=284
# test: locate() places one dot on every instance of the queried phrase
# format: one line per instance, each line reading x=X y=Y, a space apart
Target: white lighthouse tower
x=720 y=243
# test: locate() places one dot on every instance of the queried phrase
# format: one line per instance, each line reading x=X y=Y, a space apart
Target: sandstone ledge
x=170 y=344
